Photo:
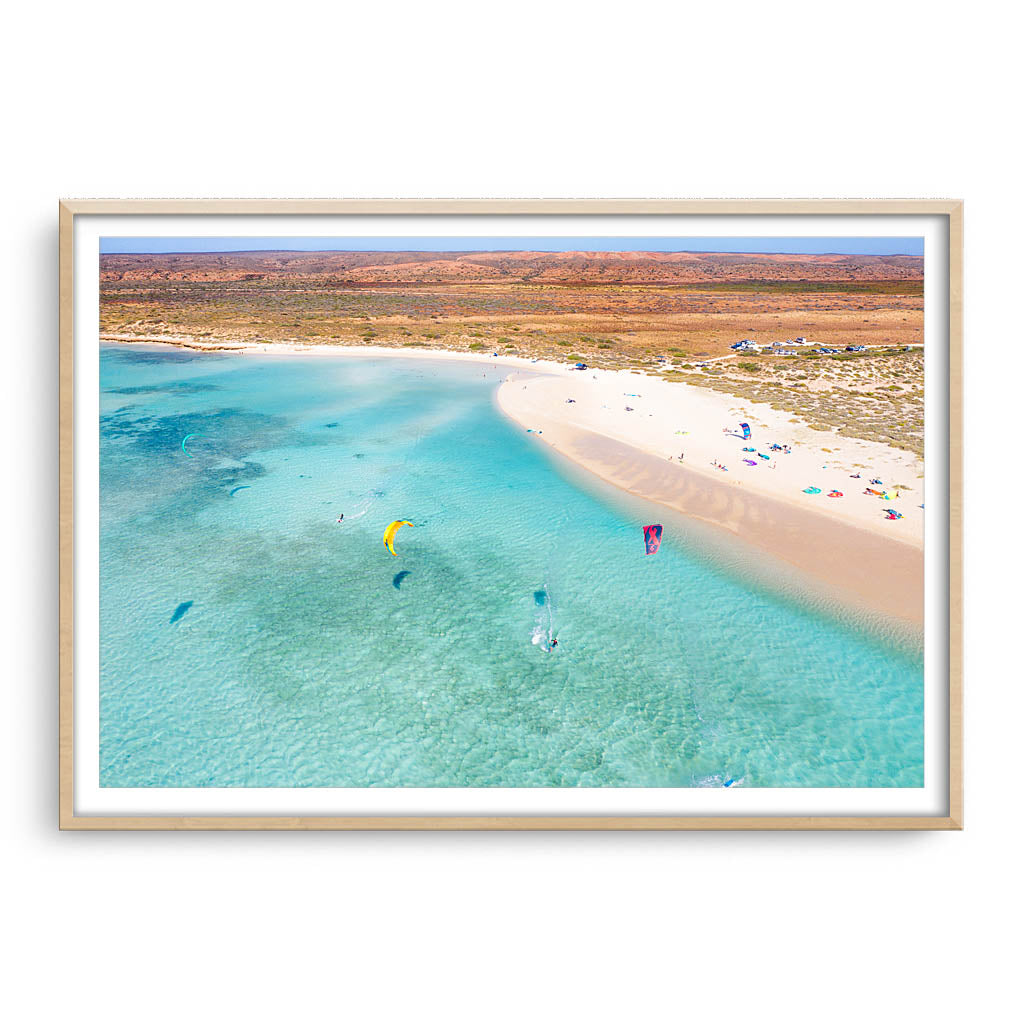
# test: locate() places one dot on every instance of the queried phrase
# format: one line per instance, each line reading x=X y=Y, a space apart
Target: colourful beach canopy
x=389 y=534
x=652 y=538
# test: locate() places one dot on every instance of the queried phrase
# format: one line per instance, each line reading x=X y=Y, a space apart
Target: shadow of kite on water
x=399 y=576
x=179 y=612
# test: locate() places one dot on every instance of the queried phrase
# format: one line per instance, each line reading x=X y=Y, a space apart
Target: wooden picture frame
x=950 y=211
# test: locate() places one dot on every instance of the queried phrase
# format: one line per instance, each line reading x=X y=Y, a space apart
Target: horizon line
x=500 y=252
x=741 y=246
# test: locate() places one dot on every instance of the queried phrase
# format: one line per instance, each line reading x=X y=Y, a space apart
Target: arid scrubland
x=672 y=315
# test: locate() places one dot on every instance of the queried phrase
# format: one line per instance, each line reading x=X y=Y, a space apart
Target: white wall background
x=571 y=99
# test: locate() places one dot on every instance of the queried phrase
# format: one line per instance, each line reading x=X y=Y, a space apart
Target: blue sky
x=847 y=245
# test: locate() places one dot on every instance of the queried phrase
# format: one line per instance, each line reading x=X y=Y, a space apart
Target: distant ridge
x=367 y=268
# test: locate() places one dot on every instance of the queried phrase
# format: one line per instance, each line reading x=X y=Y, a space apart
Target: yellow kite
x=389 y=534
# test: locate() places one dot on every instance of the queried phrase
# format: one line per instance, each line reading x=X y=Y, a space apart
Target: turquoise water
x=248 y=639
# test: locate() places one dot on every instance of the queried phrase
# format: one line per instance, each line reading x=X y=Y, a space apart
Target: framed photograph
x=510 y=514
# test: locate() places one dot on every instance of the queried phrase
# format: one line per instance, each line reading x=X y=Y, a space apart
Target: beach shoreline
x=783 y=547
x=356 y=351
x=843 y=546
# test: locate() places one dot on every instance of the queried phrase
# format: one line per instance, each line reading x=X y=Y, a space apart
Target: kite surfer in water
x=341 y=515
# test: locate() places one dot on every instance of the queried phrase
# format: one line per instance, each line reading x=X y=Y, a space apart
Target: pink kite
x=652 y=538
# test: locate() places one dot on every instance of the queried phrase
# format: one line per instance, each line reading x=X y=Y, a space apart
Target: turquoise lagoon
x=248 y=639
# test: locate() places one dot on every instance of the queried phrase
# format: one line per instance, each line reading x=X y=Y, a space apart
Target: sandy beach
x=667 y=441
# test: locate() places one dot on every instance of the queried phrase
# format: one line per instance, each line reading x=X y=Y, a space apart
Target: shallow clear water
x=248 y=639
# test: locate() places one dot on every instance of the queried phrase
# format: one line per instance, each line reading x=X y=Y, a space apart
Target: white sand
x=364 y=351
x=660 y=409
x=539 y=401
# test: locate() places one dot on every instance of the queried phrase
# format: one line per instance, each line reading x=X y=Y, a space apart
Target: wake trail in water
x=544 y=621
x=365 y=505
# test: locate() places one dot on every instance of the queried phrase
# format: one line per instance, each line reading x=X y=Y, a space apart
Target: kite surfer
x=341 y=515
